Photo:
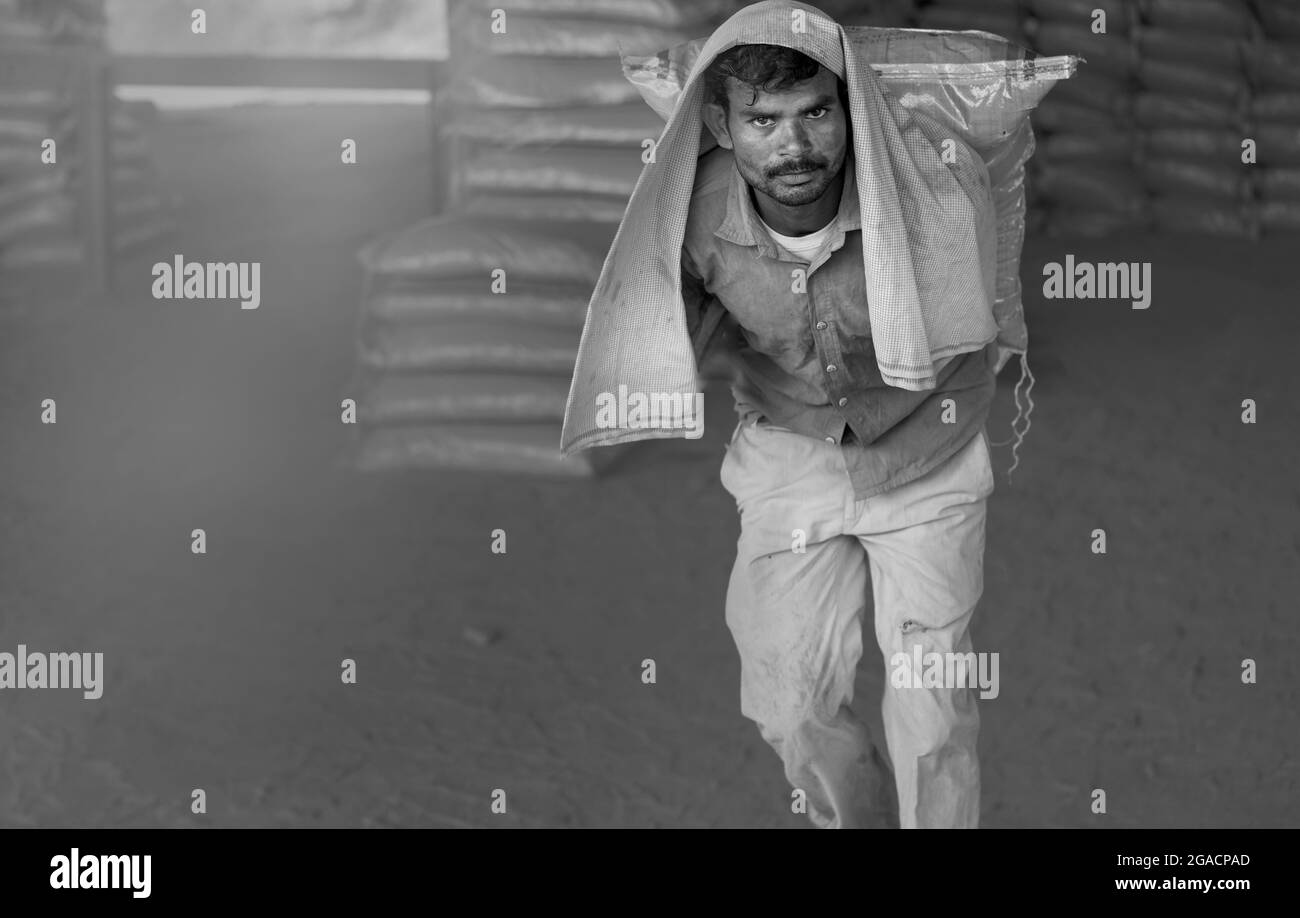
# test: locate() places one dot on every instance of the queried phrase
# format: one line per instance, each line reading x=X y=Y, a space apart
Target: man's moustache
x=788 y=170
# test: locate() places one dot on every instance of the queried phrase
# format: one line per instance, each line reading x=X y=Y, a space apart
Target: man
x=835 y=469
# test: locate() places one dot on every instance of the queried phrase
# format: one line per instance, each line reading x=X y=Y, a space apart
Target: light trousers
x=796 y=603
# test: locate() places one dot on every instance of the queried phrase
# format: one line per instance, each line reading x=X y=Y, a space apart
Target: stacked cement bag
x=41 y=220
x=880 y=13
x=1193 y=106
x=467 y=340
x=546 y=126
x=471 y=321
x=1275 y=115
x=1001 y=17
x=52 y=21
x=1084 y=179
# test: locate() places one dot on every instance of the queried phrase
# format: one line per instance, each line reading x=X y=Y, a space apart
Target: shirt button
x=830 y=439
x=831 y=368
x=843 y=402
x=821 y=325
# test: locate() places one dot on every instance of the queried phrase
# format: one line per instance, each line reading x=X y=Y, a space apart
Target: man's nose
x=794 y=139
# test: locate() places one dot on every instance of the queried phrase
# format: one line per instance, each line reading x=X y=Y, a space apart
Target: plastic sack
x=978 y=85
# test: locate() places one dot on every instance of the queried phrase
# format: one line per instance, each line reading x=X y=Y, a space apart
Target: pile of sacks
x=1151 y=132
x=58 y=21
x=41 y=221
x=470 y=321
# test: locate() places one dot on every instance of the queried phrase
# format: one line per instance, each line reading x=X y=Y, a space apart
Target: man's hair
x=770 y=68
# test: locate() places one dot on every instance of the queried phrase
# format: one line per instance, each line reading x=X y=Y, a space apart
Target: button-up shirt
x=802 y=342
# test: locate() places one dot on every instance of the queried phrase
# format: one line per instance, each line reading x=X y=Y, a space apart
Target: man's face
x=789 y=145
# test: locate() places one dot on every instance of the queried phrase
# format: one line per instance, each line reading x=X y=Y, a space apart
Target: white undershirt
x=806 y=247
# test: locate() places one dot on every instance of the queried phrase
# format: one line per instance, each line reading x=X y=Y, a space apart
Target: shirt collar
x=742 y=225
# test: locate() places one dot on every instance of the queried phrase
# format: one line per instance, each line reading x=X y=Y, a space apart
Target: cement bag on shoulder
x=978 y=85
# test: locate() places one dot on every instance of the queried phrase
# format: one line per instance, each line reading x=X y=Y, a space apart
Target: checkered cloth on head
x=929 y=238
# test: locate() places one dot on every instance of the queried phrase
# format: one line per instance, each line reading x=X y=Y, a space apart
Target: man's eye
x=820 y=109
x=756 y=121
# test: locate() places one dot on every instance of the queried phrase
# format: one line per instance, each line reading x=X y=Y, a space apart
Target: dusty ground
x=1118 y=671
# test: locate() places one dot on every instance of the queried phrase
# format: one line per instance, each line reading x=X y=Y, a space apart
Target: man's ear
x=715 y=119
